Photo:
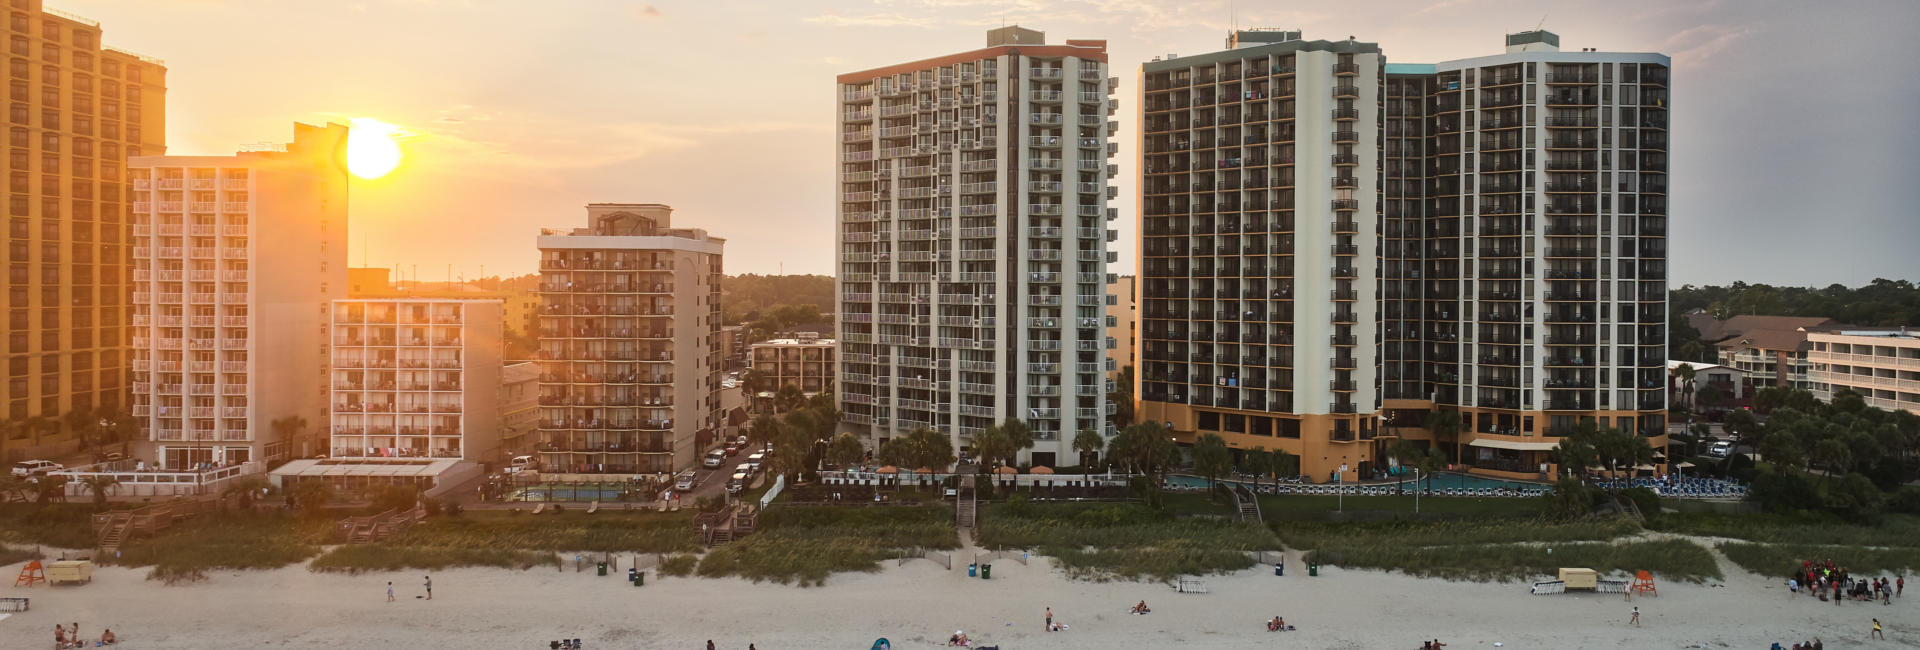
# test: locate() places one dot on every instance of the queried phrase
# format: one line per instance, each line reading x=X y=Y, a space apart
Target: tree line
x=1880 y=303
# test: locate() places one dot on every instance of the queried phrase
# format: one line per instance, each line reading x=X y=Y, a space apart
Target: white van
x=714 y=458
x=736 y=484
x=744 y=468
x=756 y=460
x=520 y=464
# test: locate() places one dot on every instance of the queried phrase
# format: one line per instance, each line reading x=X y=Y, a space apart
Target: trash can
x=631 y=573
x=1313 y=570
x=1279 y=569
x=973 y=570
x=603 y=569
x=986 y=572
x=640 y=579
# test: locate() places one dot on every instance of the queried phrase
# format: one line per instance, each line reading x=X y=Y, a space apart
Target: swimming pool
x=563 y=492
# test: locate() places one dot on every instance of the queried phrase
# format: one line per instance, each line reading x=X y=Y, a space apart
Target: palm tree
x=1146 y=446
x=1740 y=423
x=1211 y=457
x=1685 y=373
x=1122 y=398
x=99 y=485
x=1088 y=442
x=292 y=430
x=993 y=447
x=764 y=430
x=788 y=398
x=244 y=488
x=846 y=450
x=1445 y=425
x=932 y=449
x=1257 y=461
x=1020 y=435
x=51 y=488
x=1832 y=453
x=1412 y=456
x=751 y=382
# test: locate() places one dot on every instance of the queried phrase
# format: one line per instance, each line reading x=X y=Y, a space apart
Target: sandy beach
x=919 y=605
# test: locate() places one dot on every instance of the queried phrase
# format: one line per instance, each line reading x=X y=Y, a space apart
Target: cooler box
x=70 y=571
x=1580 y=578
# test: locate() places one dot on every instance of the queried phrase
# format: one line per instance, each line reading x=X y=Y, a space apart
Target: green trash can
x=603 y=569
x=640 y=579
x=986 y=572
x=1313 y=570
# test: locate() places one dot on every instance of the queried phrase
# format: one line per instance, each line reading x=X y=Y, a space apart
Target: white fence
x=135 y=484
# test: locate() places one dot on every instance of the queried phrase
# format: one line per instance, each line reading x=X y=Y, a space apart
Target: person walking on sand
x=429 y=587
x=1900 y=586
x=1049 y=619
x=1635 y=621
x=389 y=591
x=1876 y=631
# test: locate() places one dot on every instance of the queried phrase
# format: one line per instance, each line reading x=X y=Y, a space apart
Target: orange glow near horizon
x=373 y=148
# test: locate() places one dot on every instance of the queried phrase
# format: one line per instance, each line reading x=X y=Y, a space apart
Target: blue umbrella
x=882 y=644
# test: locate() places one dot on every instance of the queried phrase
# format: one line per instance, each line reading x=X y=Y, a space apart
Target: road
x=713 y=482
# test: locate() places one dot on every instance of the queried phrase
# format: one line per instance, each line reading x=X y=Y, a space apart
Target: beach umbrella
x=1683 y=464
x=1003 y=469
x=888 y=470
x=1644 y=468
x=923 y=470
x=1040 y=469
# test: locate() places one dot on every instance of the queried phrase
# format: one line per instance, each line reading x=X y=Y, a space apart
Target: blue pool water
x=565 y=493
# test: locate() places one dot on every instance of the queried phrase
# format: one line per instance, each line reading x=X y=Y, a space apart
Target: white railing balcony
x=233 y=206
x=1045 y=73
x=236 y=184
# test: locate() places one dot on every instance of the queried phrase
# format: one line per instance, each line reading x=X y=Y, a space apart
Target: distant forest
x=1881 y=303
x=744 y=297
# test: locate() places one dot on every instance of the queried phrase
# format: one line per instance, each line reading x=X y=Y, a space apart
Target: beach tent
x=1003 y=469
x=1040 y=469
x=882 y=644
x=1683 y=464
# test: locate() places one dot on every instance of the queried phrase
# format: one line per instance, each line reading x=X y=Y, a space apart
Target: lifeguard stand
x=1643 y=584
x=31 y=574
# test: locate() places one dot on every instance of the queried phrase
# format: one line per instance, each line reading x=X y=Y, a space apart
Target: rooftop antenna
x=1542 y=23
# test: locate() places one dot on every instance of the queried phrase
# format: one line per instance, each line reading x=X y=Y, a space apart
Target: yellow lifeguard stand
x=1643 y=584
x=31 y=574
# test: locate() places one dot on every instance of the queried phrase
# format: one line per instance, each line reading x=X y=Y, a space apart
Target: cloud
x=647 y=11
x=869 y=20
x=1694 y=46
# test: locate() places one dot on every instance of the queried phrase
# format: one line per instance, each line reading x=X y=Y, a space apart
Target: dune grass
x=806 y=545
x=67 y=525
x=605 y=531
x=358 y=558
x=1123 y=541
x=10 y=556
x=1450 y=533
x=1782 y=560
x=226 y=541
x=1893 y=530
x=679 y=564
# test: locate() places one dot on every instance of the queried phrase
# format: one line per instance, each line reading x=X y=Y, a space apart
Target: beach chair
x=593 y=507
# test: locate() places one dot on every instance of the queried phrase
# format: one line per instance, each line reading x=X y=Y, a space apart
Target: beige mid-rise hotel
x=629 y=342
x=973 y=257
x=1881 y=365
x=76 y=112
x=235 y=259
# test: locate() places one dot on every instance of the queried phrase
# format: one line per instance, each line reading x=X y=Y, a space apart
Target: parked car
x=733 y=450
x=742 y=441
x=520 y=464
x=714 y=459
x=736 y=484
x=757 y=459
x=684 y=482
x=27 y=468
x=1720 y=449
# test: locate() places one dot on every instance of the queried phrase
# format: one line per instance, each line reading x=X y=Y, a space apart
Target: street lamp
x=1416 y=490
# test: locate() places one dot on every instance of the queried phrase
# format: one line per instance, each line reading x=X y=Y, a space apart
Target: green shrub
x=1570 y=499
x=58 y=525
x=606 y=531
x=1105 y=541
x=11 y=556
x=226 y=540
x=806 y=545
x=1782 y=560
x=679 y=564
x=1777 y=492
x=1643 y=498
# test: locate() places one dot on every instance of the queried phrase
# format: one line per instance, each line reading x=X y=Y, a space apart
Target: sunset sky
x=1794 y=146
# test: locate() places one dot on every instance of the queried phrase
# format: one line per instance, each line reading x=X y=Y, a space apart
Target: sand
x=919 y=605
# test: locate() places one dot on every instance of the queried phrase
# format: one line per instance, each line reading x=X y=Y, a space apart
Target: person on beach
x=1635 y=621
x=1141 y=608
x=1049 y=619
x=107 y=637
x=389 y=591
x=429 y=587
x=1900 y=585
x=59 y=636
x=710 y=644
x=1876 y=631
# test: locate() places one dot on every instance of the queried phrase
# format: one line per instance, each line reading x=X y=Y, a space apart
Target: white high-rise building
x=235 y=259
x=973 y=242
x=416 y=378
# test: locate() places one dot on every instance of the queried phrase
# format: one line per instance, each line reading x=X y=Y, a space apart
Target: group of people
x=1140 y=608
x=1278 y=625
x=1804 y=645
x=1820 y=578
x=64 y=638
x=959 y=639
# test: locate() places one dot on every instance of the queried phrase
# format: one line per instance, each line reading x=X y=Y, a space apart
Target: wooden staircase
x=113 y=528
x=1246 y=505
x=965 y=506
x=719 y=528
x=373 y=528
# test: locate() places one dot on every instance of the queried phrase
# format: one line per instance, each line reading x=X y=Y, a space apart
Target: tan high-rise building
x=235 y=260
x=973 y=242
x=77 y=112
x=629 y=342
x=416 y=378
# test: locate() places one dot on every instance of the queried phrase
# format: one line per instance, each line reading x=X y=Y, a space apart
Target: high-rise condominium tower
x=234 y=260
x=629 y=342
x=78 y=111
x=973 y=241
x=1508 y=247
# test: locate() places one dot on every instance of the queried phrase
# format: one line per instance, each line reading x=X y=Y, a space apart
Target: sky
x=1794 y=148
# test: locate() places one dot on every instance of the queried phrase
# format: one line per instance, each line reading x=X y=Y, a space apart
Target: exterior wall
x=1123 y=324
x=228 y=249
x=806 y=365
x=977 y=298
x=519 y=408
x=629 y=329
x=1882 y=366
x=415 y=378
x=79 y=111
x=1259 y=268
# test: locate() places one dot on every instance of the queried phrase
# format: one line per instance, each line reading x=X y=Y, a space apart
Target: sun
x=372 y=149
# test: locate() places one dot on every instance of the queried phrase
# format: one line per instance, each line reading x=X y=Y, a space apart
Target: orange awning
x=1040 y=469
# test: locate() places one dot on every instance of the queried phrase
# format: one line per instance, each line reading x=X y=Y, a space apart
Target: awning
x=1514 y=445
